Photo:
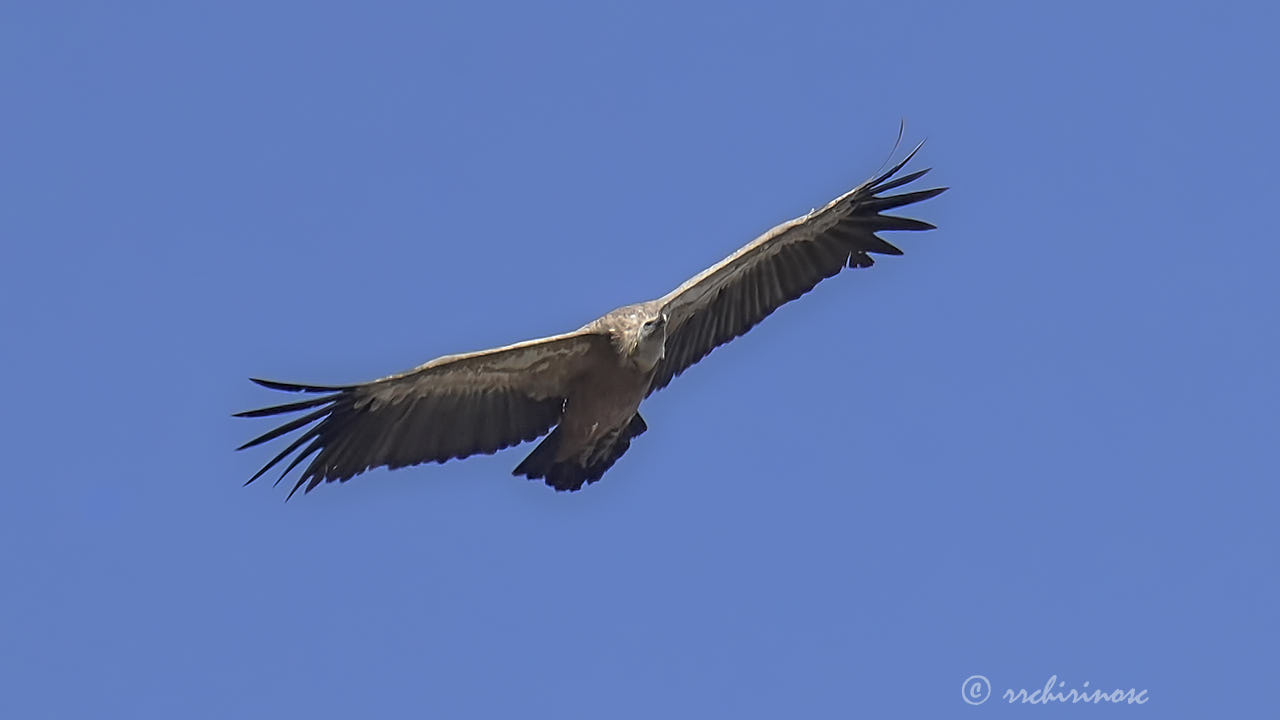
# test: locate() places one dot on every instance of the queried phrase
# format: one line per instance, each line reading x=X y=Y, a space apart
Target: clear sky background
x=1043 y=442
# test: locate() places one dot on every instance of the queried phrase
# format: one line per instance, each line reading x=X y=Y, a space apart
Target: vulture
x=582 y=389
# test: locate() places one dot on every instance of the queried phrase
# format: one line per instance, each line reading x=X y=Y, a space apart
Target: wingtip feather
x=295 y=387
x=900 y=164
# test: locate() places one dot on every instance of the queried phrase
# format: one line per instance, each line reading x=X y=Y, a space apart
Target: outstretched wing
x=729 y=298
x=451 y=407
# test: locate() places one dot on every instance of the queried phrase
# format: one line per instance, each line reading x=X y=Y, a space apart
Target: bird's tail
x=570 y=474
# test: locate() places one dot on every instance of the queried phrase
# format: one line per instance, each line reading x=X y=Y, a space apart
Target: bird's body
x=587 y=384
x=602 y=402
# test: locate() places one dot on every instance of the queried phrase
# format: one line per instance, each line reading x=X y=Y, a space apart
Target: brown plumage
x=587 y=384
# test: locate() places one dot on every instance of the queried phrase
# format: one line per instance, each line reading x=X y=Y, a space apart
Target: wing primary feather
x=284 y=453
x=315 y=474
x=861 y=239
x=334 y=455
x=294 y=387
x=860 y=259
x=296 y=485
x=287 y=427
x=894 y=170
x=889 y=222
x=899 y=182
x=877 y=244
x=880 y=204
x=308 y=452
x=286 y=408
x=315 y=480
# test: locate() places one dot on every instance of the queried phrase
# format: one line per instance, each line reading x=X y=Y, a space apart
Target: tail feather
x=539 y=462
x=570 y=475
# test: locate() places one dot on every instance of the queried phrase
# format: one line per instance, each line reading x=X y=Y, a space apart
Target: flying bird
x=584 y=387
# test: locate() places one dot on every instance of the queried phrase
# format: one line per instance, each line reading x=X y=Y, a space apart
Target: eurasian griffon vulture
x=583 y=386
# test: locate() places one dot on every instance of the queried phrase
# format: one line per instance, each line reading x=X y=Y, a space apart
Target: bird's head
x=655 y=324
x=650 y=339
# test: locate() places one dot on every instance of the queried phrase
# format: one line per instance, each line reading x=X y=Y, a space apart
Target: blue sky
x=1041 y=443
